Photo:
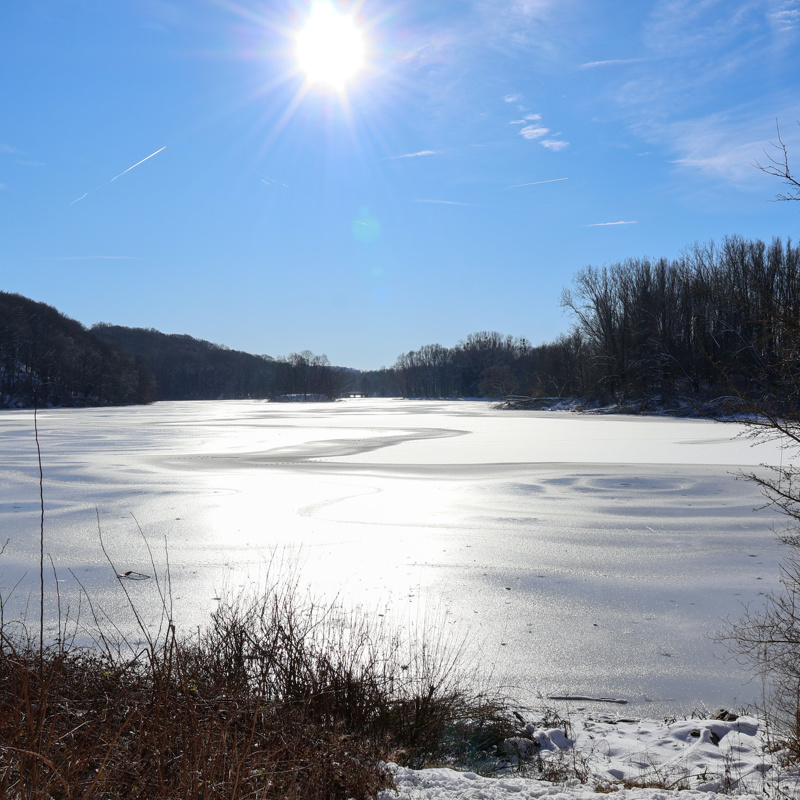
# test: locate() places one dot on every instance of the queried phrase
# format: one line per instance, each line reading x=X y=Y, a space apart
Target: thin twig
x=41 y=532
x=139 y=621
x=58 y=604
x=47 y=761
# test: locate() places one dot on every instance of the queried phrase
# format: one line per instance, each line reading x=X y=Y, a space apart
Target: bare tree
x=767 y=638
x=778 y=166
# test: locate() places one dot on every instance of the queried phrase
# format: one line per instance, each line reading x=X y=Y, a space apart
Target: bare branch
x=777 y=166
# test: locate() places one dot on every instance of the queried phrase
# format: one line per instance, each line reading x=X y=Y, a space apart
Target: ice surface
x=579 y=554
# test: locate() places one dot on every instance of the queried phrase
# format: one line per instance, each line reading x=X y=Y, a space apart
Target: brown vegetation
x=278 y=697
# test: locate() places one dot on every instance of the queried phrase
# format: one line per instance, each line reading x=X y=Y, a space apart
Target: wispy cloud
x=608 y=224
x=534 y=132
x=520 y=23
x=274 y=182
x=704 y=44
x=99 y=258
x=415 y=155
x=554 y=144
x=124 y=172
x=445 y=202
x=7 y=148
x=681 y=27
x=611 y=62
x=704 y=97
x=442 y=47
x=31 y=163
x=528 y=9
x=787 y=16
x=723 y=146
x=537 y=183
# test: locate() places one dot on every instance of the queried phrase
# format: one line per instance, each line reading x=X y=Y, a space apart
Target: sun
x=330 y=49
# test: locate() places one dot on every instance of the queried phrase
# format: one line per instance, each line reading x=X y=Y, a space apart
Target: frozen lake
x=590 y=555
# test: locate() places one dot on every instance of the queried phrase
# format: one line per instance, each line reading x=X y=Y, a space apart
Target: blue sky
x=487 y=150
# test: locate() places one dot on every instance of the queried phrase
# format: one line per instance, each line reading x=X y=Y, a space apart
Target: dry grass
x=278 y=697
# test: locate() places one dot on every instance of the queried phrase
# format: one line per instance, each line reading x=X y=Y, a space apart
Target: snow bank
x=626 y=759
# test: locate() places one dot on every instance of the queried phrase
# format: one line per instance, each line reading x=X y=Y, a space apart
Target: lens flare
x=366 y=228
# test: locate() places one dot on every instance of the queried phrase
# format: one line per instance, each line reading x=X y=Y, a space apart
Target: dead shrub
x=277 y=697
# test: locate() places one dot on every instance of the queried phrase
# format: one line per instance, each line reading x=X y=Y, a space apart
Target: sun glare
x=330 y=49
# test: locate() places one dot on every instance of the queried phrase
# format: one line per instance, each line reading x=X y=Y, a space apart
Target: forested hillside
x=186 y=368
x=192 y=369
x=43 y=351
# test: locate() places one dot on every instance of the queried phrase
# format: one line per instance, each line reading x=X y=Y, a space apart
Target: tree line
x=484 y=364
x=712 y=321
x=709 y=322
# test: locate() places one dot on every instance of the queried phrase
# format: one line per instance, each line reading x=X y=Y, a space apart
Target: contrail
x=136 y=164
x=536 y=183
x=78 y=199
x=606 y=224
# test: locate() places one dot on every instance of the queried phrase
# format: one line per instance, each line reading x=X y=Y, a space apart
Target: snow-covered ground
x=574 y=554
x=628 y=759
